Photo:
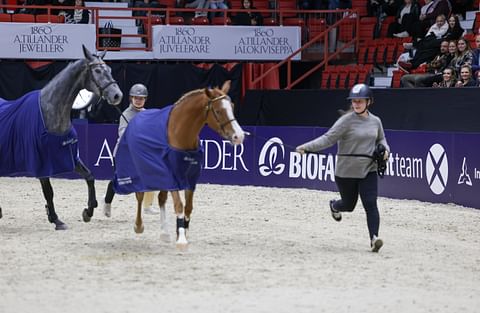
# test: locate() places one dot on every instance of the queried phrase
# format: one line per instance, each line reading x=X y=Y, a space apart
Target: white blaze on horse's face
x=237 y=135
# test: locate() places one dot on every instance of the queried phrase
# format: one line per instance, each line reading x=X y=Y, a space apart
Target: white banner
x=225 y=42
x=45 y=41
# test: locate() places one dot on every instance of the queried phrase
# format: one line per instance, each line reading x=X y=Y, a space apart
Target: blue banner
x=427 y=166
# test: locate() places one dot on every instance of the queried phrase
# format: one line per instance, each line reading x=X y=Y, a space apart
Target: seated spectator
x=217 y=4
x=79 y=16
x=476 y=55
x=145 y=4
x=197 y=4
x=464 y=55
x=248 y=18
x=62 y=3
x=448 y=79
x=436 y=8
x=466 y=77
x=375 y=7
x=407 y=15
x=390 y=7
x=455 y=30
x=427 y=48
x=28 y=3
x=478 y=79
x=433 y=70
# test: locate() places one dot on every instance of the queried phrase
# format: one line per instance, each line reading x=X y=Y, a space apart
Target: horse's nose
x=237 y=139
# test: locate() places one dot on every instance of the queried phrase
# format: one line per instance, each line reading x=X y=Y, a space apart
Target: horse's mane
x=188 y=94
x=191 y=93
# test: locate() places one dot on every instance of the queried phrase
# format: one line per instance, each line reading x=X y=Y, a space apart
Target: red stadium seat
x=360 y=6
x=315 y=26
x=346 y=29
x=397 y=76
x=384 y=25
x=270 y=21
x=45 y=18
x=4 y=17
x=283 y=5
x=367 y=28
x=200 y=20
x=221 y=21
x=23 y=18
x=175 y=20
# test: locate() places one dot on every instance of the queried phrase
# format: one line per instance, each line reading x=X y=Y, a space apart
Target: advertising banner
x=45 y=40
x=225 y=42
x=427 y=166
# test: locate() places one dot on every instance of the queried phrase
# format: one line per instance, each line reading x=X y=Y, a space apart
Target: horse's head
x=100 y=80
x=220 y=118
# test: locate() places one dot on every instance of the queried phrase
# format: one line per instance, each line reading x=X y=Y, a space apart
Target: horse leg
x=162 y=199
x=1 y=215
x=48 y=194
x=92 y=203
x=188 y=207
x=107 y=203
x=179 y=211
x=138 y=221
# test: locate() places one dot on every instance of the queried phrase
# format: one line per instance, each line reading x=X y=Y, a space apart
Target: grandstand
x=337 y=48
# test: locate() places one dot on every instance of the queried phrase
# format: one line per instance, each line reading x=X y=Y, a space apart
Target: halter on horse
x=179 y=163
x=56 y=100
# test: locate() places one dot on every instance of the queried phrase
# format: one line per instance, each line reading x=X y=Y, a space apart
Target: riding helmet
x=139 y=90
x=360 y=91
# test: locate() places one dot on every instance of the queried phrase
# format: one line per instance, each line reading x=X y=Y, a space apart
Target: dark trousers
x=110 y=192
x=367 y=188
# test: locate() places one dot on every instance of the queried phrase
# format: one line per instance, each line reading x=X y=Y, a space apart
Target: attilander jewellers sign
x=45 y=41
x=225 y=42
x=427 y=166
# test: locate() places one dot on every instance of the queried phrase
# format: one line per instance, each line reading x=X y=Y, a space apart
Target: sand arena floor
x=251 y=249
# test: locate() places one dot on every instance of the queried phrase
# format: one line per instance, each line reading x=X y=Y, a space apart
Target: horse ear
x=226 y=86
x=88 y=55
x=102 y=54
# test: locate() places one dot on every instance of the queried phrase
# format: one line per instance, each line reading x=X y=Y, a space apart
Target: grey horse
x=56 y=100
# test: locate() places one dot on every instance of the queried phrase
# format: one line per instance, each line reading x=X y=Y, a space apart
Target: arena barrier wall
x=437 y=167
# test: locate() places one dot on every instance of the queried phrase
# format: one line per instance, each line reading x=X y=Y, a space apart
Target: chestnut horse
x=181 y=128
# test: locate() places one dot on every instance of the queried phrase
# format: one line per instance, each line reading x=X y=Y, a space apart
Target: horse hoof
x=59 y=225
x=182 y=245
x=138 y=229
x=86 y=216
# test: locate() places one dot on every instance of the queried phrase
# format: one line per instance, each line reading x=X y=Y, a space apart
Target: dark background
x=430 y=109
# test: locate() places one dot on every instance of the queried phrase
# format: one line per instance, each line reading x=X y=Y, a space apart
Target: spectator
x=27 y=10
x=436 y=8
x=427 y=48
x=390 y=7
x=79 y=16
x=217 y=4
x=197 y=4
x=448 y=79
x=375 y=7
x=407 y=15
x=63 y=3
x=478 y=79
x=476 y=55
x=464 y=55
x=433 y=70
x=248 y=18
x=455 y=30
x=466 y=77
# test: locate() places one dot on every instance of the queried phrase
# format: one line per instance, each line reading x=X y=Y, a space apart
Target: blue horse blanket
x=146 y=162
x=26 y=147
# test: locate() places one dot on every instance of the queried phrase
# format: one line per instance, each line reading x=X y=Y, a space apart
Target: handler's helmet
x=139 y=90
x=360 y=91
